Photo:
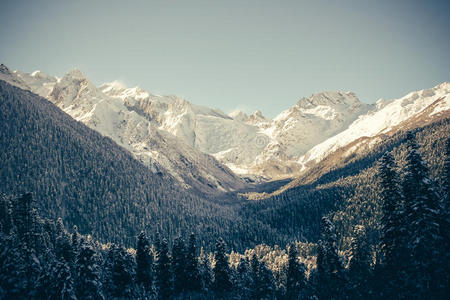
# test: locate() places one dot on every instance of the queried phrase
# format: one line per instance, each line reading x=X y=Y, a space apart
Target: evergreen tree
x=192 y=269
x=329 y=267
x=24 y=218
x=445 y=226
x=179 y=266
x=205 y=271
x=163 y=273
x=359 y=266
x=144 y=261
x=447 y=174
x=13 y=284
x=88 y=285
x=44 y=284
x=394 y=229
x=75 y=241
x=244 y=281
x=255 y=291
x=33 y=268
x=62 y=282
x=222 y=282
x=422 y=208
x=295 y=274
x=6 y=223
x=266 y=282
x=393 y=220
x=64 y=247
x=122 y=273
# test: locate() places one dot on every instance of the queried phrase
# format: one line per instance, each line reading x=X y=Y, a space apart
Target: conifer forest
x=373 y=227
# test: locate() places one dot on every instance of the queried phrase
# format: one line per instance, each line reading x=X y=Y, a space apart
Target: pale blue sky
x=251 y=54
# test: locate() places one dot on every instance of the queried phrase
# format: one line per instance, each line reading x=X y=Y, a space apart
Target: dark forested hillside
x=348 y=192
x=89 y=181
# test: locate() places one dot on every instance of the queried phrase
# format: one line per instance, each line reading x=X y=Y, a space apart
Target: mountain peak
x=75 y=73
x=444 y=86
x=257 y=117
x=4 y=69
x=238 y=115
x=329 y=98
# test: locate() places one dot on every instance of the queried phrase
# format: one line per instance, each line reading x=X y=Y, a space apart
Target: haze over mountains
x=211 y=151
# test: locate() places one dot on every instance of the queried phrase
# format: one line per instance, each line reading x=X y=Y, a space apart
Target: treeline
x=40 y=259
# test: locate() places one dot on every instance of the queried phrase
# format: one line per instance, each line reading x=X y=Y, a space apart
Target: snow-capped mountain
x=170 y=132
x=247 y=144
x=11 y=78
x=413 y=110
x=296 y=130
x=208 y=130
x=112 y=117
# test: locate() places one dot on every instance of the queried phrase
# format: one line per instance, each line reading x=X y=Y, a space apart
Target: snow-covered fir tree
x=221 y=270
x=422 y=209
x=144 y=262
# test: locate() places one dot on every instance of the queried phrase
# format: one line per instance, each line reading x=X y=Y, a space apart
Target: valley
x=112 y=161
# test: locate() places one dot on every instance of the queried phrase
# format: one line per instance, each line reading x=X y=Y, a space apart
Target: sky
x=251 y=55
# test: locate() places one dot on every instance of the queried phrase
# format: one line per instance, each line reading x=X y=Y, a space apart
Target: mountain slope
x=168 y=132
x=247 y=144
x=369 y=131
x=296 y=130
x=208 y=130
x=387 y=119
x=90 y=181
x=346 y=189
x=156 y=148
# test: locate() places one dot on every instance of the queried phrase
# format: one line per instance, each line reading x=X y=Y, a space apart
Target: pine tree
x=62 y=282
x=447 y=174
x=179 y=266
x=445 y=227
x=122 y=273
x=163 y=273
x=394 y=228
x=44 y=285
x=144 y=261
x=255 y=290
x=64 y=247
x=244 y=281
x=267 y=285
x=393 y=212
x=422 y=209
x=24 y=217
x=329 y=266
x=359 y=266
x=205 y=270
x=6 y=223
x=33 y=268
x=13 y=284
x=192 y=268
x=88 y=285
x=222 y=282
x=295 y=274
x=75 y=241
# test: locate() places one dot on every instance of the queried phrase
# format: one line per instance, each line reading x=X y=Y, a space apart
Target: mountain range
x=209 y=151
x=115 y=160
